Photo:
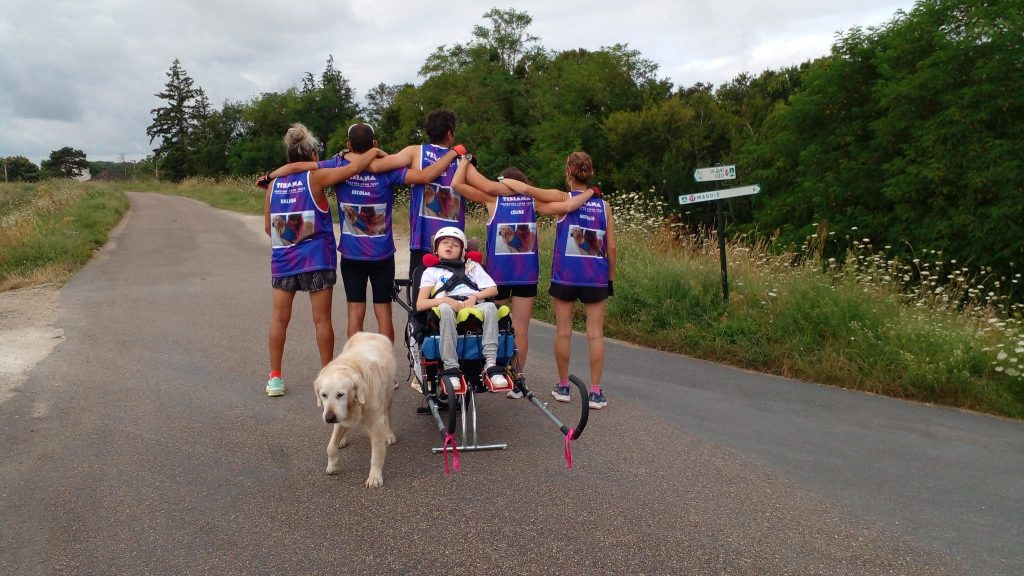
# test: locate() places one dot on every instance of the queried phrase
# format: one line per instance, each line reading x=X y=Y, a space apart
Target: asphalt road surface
x=144 y=444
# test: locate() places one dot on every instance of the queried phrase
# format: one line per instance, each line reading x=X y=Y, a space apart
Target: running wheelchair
x=456 y=394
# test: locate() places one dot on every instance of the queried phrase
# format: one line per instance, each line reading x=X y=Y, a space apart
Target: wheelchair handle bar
x=584 y=407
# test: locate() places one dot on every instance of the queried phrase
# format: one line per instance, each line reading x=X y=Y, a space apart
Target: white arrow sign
x=714 y=173
x=719 y=194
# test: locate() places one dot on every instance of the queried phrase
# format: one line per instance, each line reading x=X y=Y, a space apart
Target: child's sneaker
x=515 y=393
x=275 y=386
x=561 y=393
x=597 y=400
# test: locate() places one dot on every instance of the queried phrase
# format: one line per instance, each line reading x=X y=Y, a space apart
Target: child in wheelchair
x=459 y=290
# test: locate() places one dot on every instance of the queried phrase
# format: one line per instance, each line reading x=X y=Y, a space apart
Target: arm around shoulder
x=293 y=168
x=569 y=203
x=404 y=158
x=331 y=176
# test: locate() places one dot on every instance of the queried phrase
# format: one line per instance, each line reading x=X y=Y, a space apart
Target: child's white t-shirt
x=436 y=276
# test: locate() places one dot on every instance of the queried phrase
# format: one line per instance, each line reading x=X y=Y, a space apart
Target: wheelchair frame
x=442 y=392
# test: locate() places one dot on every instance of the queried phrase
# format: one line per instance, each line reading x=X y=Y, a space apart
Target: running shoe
x=275 y=386
x=561 y=393
x=597 y=400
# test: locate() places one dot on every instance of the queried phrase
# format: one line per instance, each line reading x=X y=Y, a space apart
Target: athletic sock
x=274 y=374
x=563 y=383
x=595 y=388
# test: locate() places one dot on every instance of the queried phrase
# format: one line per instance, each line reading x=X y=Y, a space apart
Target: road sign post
x=717 y=174
x=720 y=218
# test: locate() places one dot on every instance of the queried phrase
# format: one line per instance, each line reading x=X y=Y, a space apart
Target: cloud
x=85 y=73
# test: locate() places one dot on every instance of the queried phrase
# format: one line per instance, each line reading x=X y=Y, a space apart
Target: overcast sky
x=83 y=73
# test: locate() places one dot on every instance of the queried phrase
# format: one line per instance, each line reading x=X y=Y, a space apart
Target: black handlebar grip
x=584 y=407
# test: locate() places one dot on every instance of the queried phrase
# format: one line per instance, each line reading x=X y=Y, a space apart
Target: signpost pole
x=721 y=248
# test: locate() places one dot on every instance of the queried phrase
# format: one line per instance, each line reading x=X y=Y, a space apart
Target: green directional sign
x=719 y=194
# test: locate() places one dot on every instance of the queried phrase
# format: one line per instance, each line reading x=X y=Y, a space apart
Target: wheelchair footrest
x=452 y=382
x=495 y=386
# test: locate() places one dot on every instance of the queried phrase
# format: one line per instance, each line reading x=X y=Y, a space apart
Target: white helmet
x=450 y=232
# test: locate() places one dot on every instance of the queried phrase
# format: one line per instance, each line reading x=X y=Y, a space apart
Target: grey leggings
x=449 y=356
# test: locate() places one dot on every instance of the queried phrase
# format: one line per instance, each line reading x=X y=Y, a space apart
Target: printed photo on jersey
x=440 y=203
x=585 y=242
x=516 y=238
x=288 y=228
x=364 y=219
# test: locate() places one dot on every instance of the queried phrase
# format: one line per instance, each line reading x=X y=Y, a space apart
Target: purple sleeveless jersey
x=580 y=258
x=512 y=240
x=435 y=205
x=301 y=234
x=365 y=202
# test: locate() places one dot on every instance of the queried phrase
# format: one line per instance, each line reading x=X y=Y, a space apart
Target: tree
x=328 y=106
x=483 y=80
x=569 y=100
x=65 y=163
x=382 y=114
x=20 y=169
x=905 y=132
x=215 y=138
x=174 y=122
x=262 y=124
x=505 y=43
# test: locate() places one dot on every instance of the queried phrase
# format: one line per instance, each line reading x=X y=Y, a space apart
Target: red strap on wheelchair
x=568 y=447
x=450 y=438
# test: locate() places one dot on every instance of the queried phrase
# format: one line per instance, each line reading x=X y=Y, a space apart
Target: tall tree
x=328 y=104
x=174 y=123
x=67 y=162
x=505 y=42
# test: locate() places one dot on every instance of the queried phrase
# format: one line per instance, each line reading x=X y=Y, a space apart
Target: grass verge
x=49 y=230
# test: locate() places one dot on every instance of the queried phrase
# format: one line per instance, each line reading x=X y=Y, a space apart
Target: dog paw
x=342 y=443
x=333 y=469
x=375 y=481
x=391 y=439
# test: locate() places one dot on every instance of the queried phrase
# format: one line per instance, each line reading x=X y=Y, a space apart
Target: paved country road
x=143 y=444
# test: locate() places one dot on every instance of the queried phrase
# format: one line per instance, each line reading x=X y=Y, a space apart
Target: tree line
x=907 y=133
x=67 y=162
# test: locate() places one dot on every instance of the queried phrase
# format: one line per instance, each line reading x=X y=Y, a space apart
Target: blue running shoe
x=597 y=400
x=561 y=393
x=275 y=386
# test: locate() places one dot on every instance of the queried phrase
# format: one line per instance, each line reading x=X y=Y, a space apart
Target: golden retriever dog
x=357 y=388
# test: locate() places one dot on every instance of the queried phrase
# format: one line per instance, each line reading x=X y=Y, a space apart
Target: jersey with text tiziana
x=434 y=205
x=365 y=202
x=580 y=257
x=301 y=234
x=512 y=241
